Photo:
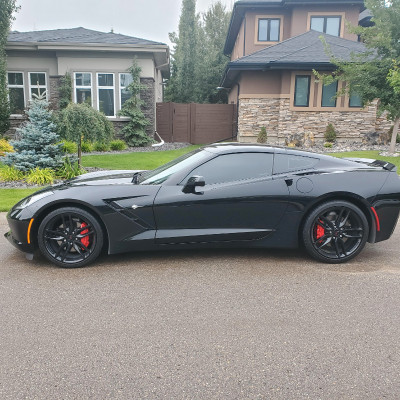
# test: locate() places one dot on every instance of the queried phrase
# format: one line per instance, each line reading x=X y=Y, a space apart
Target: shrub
x=9 y=174
x=87 y=147
x=5 y=147
x=328 y=144
x=40 y=176
x=100 y=146
x=330 y=134
x=69 y=147
x=38 y=145
x=262 y=136
x=69 y=170
x=118 y=145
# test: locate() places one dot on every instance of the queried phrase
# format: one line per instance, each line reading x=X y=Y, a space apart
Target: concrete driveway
x=201 y=325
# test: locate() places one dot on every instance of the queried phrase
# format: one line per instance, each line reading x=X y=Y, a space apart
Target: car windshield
x=161 y=174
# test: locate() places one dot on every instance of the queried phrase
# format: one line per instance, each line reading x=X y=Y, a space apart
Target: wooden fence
x=196 y=123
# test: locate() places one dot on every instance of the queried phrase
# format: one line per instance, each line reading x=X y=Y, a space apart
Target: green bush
x=87 y=147
x=5 y=147
x=40 y=176
x=330 y=134
x=10 y=173
x=262 y=136
x=328 y=145
x=69 y=170
x=118 y=145
x=70 y=147
x=101 y=146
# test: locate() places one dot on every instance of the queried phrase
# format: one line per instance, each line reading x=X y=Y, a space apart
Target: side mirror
x=192 y=183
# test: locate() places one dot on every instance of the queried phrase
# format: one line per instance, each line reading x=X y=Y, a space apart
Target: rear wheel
x=70 y=237
x=335 y=232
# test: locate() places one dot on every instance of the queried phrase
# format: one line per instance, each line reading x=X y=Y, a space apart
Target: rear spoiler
x=374 y=163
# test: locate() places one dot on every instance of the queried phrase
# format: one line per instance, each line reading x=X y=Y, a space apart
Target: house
x=274 y=45
x=97 y=63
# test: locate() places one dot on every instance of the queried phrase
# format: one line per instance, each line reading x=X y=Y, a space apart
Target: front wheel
x=335 y=232
x=70 y=237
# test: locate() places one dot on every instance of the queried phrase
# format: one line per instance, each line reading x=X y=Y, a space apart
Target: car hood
x=100 y=178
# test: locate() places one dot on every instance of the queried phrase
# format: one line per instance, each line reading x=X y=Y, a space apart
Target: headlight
x=32 y=199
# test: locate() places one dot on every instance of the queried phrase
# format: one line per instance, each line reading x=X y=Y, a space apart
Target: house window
x=269 y=29
x=83 y=87
x=328 y=95
x=302 y=91
x=105 y=88
x=37 y=84
x=16 y=92
x=125 y=79
x=329 y=25
x=355 y=100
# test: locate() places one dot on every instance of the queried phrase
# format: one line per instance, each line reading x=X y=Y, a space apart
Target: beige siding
x=31 y=62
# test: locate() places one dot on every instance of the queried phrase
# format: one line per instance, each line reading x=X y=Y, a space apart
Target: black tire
x=335 y=232
x=70 y=237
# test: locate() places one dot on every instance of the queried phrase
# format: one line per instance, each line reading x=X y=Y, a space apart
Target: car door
x=240 y=201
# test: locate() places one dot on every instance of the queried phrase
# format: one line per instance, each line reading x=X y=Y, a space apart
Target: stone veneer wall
x=282 y=123
x=147 y=94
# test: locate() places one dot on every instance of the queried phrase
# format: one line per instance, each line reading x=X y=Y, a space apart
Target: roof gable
x=78 y=36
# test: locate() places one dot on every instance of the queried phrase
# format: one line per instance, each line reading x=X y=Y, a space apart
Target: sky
x=147 y=19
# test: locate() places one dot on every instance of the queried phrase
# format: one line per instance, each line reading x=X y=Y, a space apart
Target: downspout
x=244 y=36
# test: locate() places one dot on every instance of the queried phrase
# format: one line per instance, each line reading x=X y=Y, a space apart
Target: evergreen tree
x=181 y=87
x=212 y=62
x=37 y=145
x=7 y=8
x=135 y=130
x=65 y=91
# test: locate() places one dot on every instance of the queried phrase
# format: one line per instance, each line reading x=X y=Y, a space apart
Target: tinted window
x=235 y=167
x=288 y=163
x=302 y=91
x=328 y=95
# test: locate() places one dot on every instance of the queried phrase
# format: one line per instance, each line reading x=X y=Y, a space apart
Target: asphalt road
x=201 y=325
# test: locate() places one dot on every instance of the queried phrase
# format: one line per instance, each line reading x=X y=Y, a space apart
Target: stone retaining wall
x=283 y=124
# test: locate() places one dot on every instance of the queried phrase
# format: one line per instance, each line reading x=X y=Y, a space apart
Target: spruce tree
x=7 y=8
x=135 y=130
x=37 y=145
x=182 y=85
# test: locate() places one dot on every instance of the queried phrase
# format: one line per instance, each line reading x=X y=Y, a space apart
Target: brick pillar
x=54 y=94
x=147 y=94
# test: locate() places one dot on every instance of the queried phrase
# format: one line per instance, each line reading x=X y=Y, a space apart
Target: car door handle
x=289 y=181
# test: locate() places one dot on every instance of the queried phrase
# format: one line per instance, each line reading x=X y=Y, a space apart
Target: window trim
x=98 y=88
x=83 y=86
x=322 y=95
x=309 y=90
x=17 y=86
x=263 y=42
x=328 y=14
x=45 y=86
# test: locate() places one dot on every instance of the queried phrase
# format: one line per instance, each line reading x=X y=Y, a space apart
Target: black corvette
x=225 y=195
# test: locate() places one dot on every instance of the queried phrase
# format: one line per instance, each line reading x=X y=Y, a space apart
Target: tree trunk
x=80 y=153
x=392 y=149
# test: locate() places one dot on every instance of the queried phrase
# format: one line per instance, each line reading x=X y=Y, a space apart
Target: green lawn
x=369 y=154
x=145 y=160
x=8 y=197
x=150 y=160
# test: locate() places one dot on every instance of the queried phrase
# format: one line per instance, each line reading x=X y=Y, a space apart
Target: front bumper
x=25 y=247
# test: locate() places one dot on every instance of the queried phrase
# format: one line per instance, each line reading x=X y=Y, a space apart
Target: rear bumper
x=388 y=215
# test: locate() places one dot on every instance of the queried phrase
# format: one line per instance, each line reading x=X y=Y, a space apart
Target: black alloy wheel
x=70 y=237
x=335 y=232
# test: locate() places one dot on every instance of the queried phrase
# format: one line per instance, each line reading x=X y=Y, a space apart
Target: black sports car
x=223 y=195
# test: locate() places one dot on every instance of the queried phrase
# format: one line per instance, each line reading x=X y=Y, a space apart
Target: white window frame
x=83 y=86
x=40 y=86
x=17 y=86
x=105 y=87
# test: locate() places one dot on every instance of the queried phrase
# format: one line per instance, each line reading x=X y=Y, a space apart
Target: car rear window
x=284 y=163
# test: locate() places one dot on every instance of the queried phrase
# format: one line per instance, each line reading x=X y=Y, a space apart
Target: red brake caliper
x=320 y=231
x=85 y=240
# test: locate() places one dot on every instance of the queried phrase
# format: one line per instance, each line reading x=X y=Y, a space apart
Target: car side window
x=289 y=163
x=235 y=167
